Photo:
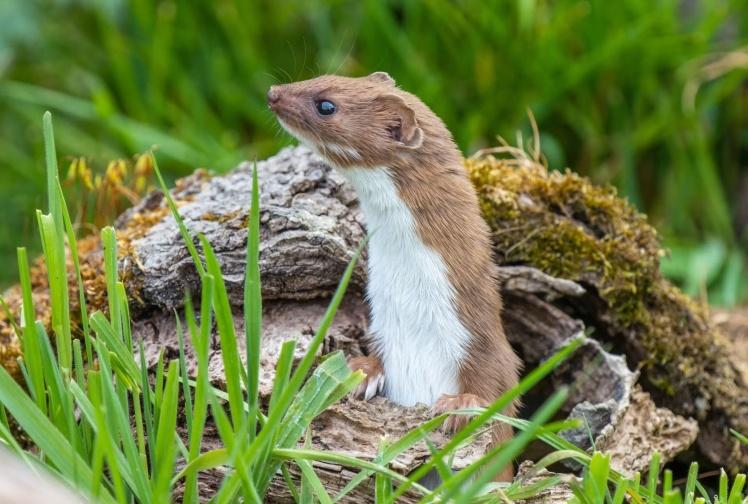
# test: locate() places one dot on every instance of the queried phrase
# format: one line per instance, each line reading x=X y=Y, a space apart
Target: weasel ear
x=407 y=132
x=382 y=77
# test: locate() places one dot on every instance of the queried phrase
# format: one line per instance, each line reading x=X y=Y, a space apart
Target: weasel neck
x=415 y=326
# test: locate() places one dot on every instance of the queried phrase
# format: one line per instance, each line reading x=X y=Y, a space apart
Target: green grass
x=595 y=488
x=112 y=430
x=648 y=97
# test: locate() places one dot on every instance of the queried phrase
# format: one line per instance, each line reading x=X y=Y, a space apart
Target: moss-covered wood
x=567 y=227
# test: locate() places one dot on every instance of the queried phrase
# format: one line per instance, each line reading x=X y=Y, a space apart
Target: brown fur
x=393 y=128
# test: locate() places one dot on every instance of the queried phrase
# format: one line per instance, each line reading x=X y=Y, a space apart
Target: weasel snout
x=273 y=96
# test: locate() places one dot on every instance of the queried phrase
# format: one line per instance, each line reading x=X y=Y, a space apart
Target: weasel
x=437 y=335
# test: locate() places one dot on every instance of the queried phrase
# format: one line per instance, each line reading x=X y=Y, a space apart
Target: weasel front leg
x=373 y=383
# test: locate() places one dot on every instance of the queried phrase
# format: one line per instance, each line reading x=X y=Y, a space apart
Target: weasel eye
x=325 y=107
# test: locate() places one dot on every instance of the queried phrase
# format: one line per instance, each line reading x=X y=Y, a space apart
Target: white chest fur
x=414 y=322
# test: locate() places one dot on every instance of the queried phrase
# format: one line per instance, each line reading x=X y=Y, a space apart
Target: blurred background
x=648 y=95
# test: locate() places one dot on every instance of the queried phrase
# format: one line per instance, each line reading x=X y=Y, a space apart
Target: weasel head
x=365 y=121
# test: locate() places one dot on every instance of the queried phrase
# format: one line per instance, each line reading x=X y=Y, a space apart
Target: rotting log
x=563 y=225
x=310 y=228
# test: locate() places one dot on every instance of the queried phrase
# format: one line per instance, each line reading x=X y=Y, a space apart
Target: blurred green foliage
x=650 y=95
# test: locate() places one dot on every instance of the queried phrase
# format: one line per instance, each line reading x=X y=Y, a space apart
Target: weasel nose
x=273 y=96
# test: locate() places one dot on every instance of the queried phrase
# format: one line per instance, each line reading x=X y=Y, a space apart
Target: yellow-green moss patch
x=564 y=225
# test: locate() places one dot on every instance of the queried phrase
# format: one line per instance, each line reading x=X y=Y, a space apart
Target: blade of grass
x=53 y=242
x=186 y=392
x=50 y=159
x=526 y=491
x=227 y=335
x=282 y=373
x=147 y=397
x=253 y=305
x=119 y=430
x=383 y=485
x=186 y=237
x=73 y=244
x=60 y=405
x=497 y=458
x=43 y=433
x=620 y=494
x=736 y=492
x=109 y=452
x=290 y=484
x=106 y=333
x=306 y=488
x=165 y=446
x=310 y=478
x=392 y=451
x=723 y=486
x=54 y=254
x=29 y=342
x=274 y=421
x=109 y=243
x=740 y=437
x=595 y=484
x=653 y=475
x=200 y=342
x=296 y=454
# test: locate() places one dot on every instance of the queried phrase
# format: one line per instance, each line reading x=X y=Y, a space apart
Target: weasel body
x=415 y=327
x=436 y=323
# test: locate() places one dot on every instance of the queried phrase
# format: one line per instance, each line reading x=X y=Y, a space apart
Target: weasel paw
x=373 y=383
x=449 y=402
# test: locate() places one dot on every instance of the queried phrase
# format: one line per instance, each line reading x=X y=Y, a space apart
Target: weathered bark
x=644 y=429
x=310 y=229
x=560 y=493
x=734 y=325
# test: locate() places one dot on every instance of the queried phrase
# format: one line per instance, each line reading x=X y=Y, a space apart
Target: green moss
x=567 y=227
x=564 y=225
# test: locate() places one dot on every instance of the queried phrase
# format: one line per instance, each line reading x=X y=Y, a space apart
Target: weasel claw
x=373 y=383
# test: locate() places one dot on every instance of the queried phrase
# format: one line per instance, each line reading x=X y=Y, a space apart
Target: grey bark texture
x=311 y=227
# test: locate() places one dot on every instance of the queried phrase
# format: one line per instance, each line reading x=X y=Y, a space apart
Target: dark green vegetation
x=80 y=396
x=650 y=97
